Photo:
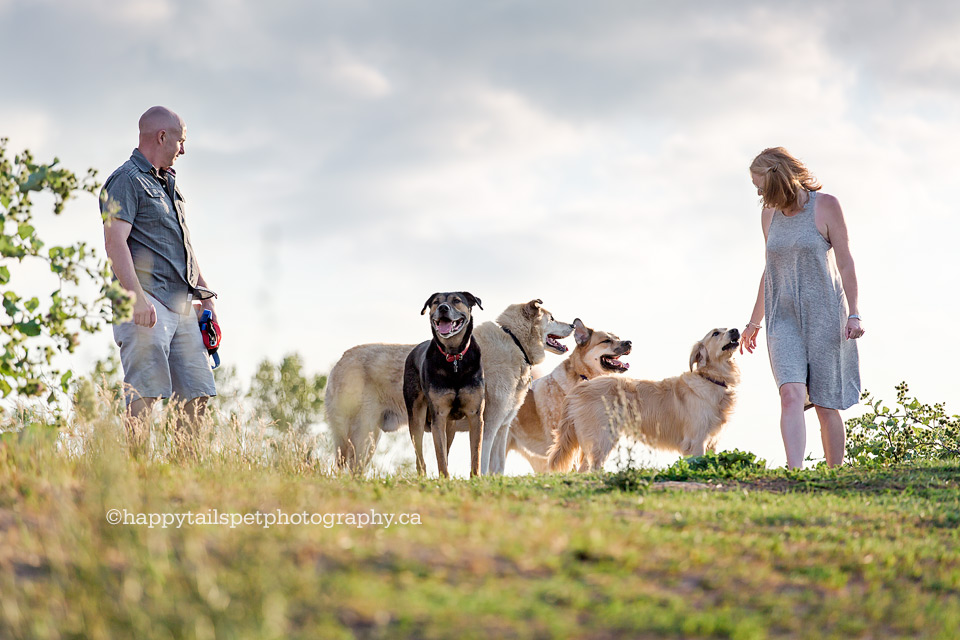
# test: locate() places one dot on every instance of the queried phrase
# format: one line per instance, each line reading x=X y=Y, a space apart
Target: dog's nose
x=734 y=334
x=444 y=307
x=627 y=344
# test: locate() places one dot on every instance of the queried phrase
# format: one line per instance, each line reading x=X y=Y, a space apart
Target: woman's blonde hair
x=782 y=177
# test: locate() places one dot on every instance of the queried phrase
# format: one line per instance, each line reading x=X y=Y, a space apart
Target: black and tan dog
x=443 y=380
x=364 y=395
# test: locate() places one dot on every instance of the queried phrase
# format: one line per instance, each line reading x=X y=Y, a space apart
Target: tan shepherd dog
x=597 y=353
x=364 y=393
x=685 y=413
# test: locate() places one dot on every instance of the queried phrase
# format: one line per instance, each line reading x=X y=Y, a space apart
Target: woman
x=808 y=293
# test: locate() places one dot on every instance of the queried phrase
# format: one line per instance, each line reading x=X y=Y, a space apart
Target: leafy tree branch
x=37 y=326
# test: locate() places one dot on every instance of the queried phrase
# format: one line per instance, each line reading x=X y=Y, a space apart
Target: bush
x=726 y=464
x=629 y=479
x=292 y=399
x=910 y=431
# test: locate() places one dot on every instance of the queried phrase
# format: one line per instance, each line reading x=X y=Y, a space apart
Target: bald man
x=147 y=240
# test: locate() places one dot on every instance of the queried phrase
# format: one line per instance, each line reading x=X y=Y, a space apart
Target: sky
x=347 y=159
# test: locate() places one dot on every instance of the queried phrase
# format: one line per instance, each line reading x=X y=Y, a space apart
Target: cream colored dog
x=364 y=393
x=684 y=414
x=596 y=353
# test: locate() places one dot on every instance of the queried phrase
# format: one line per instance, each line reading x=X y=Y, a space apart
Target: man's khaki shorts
x=166 y=359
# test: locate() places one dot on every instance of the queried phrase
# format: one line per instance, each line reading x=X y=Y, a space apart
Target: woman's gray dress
x=806 y=312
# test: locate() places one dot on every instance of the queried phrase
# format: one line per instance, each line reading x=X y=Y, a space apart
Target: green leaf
x=35 y=181
x=5 y=388
x=31 y=329
x=31 y=305
x=8 y=249
x=4 y=275
x=25 y=230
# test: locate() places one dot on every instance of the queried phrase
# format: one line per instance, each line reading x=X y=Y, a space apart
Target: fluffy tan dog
x=597 y=353
x=684 y=414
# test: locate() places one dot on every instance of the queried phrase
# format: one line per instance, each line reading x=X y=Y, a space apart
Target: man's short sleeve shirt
x=159 y=239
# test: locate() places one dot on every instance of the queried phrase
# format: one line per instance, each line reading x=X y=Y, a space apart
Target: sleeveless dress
x=806 y=312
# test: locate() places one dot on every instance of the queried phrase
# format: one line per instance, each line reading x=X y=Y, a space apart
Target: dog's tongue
x=615 y=360
x=444 y=327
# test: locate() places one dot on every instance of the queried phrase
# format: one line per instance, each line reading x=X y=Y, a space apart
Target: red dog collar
x=456 y=357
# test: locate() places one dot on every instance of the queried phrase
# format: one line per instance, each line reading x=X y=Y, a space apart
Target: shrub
x=726 y=464
x=910 y=431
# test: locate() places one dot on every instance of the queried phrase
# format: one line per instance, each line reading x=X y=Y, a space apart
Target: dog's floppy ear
x=471 y=299
x=426 y=305
x=581 y=333
x=532 y=308
x=698 y=356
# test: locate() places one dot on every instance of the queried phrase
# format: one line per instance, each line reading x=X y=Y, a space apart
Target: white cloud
x=32 y=129
x=336 y=69
x=133 y=14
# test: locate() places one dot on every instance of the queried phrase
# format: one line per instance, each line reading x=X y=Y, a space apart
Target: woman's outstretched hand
x=748 y=337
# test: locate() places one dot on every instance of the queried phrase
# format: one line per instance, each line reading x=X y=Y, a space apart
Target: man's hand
x=208 y=304
x=144 y=313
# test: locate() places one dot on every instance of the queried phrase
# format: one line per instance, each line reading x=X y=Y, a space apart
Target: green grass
x=853 y=553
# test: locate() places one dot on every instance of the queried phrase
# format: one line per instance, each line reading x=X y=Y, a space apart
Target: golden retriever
x=684 y=414
x=597 y=353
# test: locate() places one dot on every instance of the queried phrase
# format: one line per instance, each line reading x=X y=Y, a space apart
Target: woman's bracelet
x=853 y=316
x=754 y=324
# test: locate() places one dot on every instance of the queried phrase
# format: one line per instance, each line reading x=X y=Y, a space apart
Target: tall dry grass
x=66 y=572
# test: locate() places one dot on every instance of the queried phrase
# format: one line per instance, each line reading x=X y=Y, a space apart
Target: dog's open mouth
x=446 y=327
x=612 y=363
x=731 y=345
x=553 y=342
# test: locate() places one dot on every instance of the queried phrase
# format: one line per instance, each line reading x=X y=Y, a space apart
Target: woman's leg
x=833 y=435
x=793 y=428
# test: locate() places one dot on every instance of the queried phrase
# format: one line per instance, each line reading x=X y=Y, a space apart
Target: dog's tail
x=344 y=454
x=565 y=444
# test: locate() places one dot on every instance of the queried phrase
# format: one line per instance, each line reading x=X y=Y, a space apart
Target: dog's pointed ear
x=581 y=333
x=426 y=305
x=698 y=356
x=471 y=299
x=532 y=308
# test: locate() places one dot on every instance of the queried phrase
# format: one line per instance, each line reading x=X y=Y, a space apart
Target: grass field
x=858 y=553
